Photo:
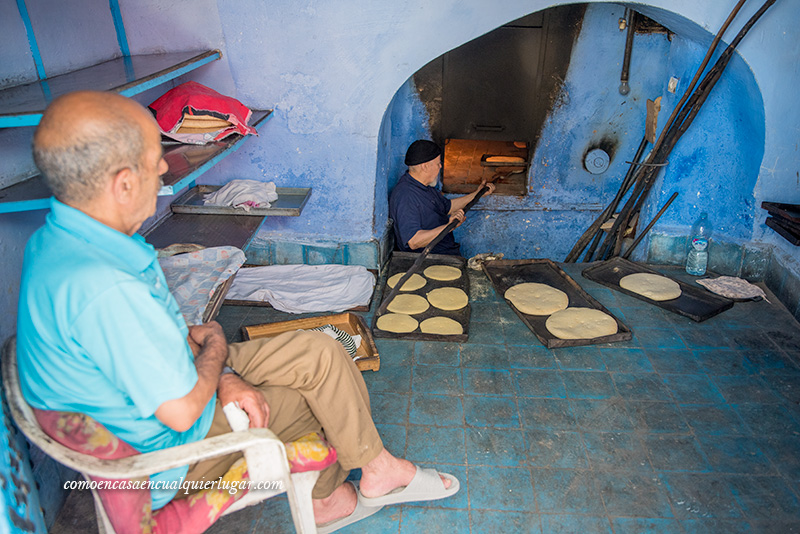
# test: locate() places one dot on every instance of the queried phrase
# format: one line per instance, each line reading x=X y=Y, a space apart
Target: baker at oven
x=419 y=210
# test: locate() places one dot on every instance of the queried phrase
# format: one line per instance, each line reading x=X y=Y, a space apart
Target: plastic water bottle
x=697 y=260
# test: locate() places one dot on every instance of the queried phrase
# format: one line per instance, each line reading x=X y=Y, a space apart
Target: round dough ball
x=412 y=284
x=652 y=286
x=537 y=299
x=580 y=323
x=448 y=298
x=396 y=322
x=441 y=325
x=408 y=304
x=442 y=272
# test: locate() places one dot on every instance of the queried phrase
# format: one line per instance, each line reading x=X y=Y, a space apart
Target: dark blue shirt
x=414 y=207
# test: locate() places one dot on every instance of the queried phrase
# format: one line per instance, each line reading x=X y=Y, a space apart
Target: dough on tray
x=412 y=284
x=652 y=286
x=442 y=272
x=441 y=325
x=537 y=299
x=396 y=322
x=448 y=298
x=580 y=323
x=408 y=304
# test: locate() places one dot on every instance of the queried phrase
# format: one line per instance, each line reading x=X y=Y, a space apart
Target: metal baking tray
x=695 y=302
x=506 y=273
x=291 y=201
x=400 y=263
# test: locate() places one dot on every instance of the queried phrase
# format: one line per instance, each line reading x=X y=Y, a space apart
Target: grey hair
x=76 y=169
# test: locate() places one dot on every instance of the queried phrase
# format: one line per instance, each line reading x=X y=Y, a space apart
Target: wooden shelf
x=23 y=105
x=186 y=163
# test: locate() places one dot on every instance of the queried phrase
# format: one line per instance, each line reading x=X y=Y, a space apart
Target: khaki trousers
x=311 y=384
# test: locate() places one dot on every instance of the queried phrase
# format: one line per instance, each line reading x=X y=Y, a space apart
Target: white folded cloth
x=305 y=288
x=243 y=194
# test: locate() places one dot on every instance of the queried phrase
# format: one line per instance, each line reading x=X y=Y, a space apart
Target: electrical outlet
x=672 y=86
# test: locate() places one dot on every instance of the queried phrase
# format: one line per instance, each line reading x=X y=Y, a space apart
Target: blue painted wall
x=338 y=77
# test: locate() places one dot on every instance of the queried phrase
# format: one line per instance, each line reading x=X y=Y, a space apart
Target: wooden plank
x=366 y=358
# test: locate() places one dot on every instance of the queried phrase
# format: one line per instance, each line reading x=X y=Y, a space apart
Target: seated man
x=99 y=333
x=420 y=211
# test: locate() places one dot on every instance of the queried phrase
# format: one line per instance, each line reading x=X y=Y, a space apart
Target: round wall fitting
x=596 y=161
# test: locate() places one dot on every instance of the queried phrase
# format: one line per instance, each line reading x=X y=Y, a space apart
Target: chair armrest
x=155 y=462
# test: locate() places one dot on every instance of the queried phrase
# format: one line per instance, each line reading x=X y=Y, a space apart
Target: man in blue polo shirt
x=99 y=332
x=420 y=211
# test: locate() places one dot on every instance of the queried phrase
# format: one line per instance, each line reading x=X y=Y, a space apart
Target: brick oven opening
x=487 y=99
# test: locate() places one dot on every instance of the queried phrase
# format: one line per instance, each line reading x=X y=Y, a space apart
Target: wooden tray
x=367 y=357
x=506 y=273
x=400 y=263
x=695 y=302
x=215 y=303
x=790 y=212
x=784 y=229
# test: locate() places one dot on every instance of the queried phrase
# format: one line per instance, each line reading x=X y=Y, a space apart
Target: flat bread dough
x=444 y=326
x=412 y=284
x=580 y=323
x=408 y=304
x=396 y=322
x=442 y=272
x=448 y=298
x=537 y=299
x=652 y=286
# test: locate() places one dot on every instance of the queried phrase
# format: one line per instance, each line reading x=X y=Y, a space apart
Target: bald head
x=84 y=138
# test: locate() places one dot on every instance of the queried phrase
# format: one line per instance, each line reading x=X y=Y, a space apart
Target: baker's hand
x=458 y=215
x=232 y=388
x=489 y=185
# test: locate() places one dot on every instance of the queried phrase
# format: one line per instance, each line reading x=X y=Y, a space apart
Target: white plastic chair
x=264 y=453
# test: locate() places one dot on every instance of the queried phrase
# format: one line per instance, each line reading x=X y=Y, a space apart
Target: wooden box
x=366 y=358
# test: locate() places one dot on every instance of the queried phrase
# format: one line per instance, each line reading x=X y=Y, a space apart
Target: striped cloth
x=341 y=336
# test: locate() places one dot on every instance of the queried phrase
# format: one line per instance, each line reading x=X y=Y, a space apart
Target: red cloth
x=129 y=510
x=192 y=98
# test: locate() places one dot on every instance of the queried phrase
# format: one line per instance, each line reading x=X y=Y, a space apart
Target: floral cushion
x=129 y=510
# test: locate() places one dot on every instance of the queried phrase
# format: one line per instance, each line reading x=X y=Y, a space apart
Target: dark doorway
x=498 y=88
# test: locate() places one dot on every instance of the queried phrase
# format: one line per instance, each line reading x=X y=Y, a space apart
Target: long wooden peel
x=418 y=262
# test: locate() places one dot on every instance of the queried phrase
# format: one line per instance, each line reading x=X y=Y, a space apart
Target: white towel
x=243 y=194
x=305 y=288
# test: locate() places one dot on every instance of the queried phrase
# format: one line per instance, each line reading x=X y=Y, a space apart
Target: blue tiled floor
x=687 y=428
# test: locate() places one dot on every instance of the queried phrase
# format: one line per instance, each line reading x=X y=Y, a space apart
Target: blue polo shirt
x=414 y=207
x=99 y=333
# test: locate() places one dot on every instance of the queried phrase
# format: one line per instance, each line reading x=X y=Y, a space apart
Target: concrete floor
x=689 y=427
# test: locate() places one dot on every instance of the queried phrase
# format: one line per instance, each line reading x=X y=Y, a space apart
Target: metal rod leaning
x=650 y=225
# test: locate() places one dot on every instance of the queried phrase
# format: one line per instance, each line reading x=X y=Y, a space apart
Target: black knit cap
x=422 y=151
